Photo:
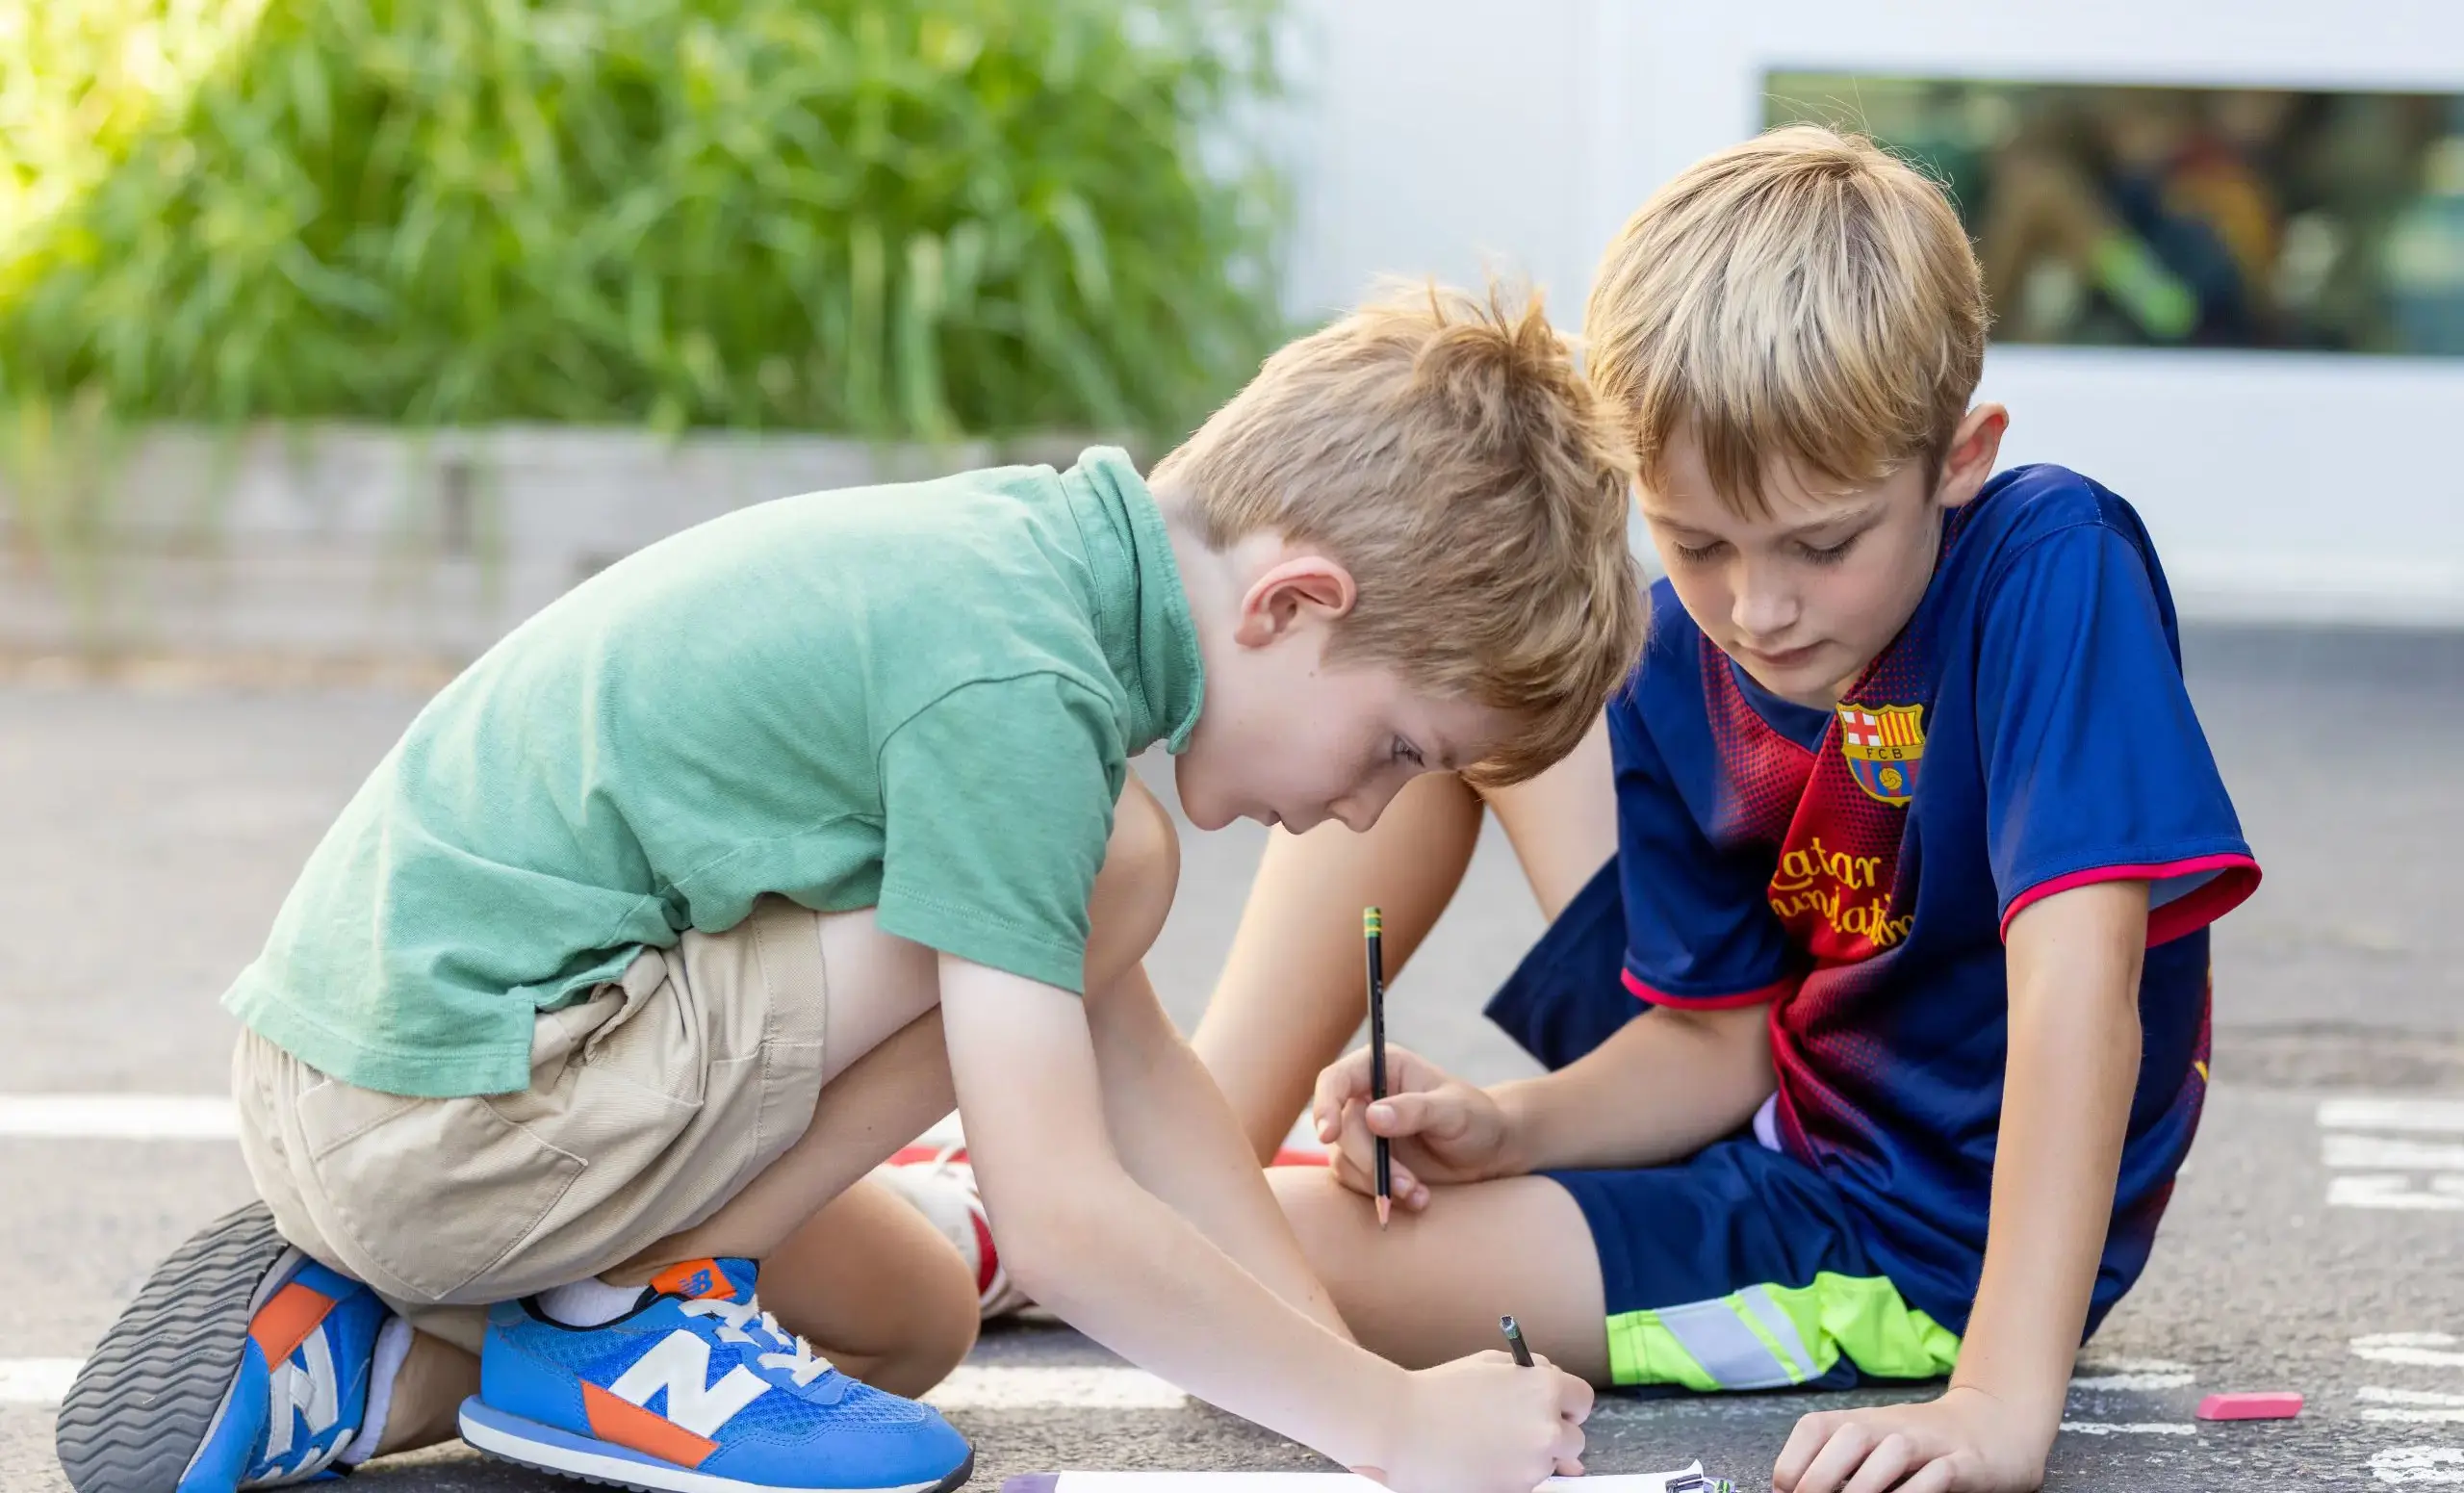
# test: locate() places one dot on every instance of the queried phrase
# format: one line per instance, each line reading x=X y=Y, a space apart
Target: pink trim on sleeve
x=1754 y=997
x=2235 y=877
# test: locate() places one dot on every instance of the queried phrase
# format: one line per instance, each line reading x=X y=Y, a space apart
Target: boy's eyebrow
x=1849 y=519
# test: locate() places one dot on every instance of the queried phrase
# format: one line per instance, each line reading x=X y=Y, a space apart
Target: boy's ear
x=1290 y=591
x=1975 y=446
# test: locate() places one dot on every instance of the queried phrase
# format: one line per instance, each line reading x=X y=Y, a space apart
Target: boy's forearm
x=1178 y=1140
x=2073 y=1064
x=1667 y=1084
x=1131 y=1272
x=1084 y=1239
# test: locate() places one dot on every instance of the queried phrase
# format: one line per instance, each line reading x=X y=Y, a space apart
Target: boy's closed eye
x=1404 y=752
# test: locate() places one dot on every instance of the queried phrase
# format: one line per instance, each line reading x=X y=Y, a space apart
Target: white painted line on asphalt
x=42 y=1382
x=2394 y=1192
x=2422 y=1350
x=2132 y=1428
x=2435 y=1115
x=991 y=1387
x=36 y=1381
x=2413 y=1406
x=2132 y=1374
x=2432 y=1465
x=117 y=1117
x=2382 y=1153
x=2132 y=1381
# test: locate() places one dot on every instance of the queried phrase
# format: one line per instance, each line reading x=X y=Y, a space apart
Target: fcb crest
x=1882 y=745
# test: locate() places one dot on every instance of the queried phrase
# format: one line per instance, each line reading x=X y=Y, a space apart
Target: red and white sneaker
x=941 y=1186
x=932 y=1174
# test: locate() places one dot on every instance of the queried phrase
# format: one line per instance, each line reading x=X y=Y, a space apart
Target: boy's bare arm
x=2074 y=963
x=1177 y=1137
x=1669 y=1083
x=1119 y=1263
x=1666 y=1084
x=2074 y=1047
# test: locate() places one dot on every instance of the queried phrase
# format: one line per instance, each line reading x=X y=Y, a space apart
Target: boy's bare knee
x=1133 y=890
x=940 y=1332
x=1329 y=1219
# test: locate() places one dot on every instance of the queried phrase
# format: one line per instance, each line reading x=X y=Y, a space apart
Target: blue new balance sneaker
x=697 y=1390
x=241 y=1364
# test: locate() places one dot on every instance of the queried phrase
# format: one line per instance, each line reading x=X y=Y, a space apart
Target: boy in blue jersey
x=1916 y=842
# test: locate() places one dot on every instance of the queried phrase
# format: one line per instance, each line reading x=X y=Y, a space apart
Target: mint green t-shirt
x=919 y=698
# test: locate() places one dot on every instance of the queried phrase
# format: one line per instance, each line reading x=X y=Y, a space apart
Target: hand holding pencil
x=1440 y=1130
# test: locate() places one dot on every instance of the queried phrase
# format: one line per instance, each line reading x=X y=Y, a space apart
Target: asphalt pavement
x=148 y=828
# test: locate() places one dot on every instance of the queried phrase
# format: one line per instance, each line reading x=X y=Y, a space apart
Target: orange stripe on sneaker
x=283 y=1324
x=625 y=1424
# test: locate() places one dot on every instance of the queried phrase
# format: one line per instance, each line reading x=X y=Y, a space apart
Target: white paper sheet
x=1317 y=1482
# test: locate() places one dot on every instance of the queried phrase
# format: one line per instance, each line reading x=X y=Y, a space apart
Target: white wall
x=1436 y=136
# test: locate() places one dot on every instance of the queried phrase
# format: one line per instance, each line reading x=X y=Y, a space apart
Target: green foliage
x=893 y=218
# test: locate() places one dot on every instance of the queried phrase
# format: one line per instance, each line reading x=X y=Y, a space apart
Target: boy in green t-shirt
x=719 y=878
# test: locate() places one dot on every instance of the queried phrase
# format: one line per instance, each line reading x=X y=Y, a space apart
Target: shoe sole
x=141 y=1405
x=526 y=1443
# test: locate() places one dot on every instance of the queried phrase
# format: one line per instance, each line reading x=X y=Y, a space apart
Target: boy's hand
x=1965 y=1442
x=1444 y=1130
x=1482 y=1424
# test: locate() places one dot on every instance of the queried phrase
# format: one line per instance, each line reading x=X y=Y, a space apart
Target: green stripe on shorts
x=1770 y=1336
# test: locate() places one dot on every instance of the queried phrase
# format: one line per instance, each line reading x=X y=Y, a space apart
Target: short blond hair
x=1446 y=451
x=1804 y=296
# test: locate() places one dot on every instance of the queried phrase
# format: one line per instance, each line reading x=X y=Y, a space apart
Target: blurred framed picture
x=2130 y=215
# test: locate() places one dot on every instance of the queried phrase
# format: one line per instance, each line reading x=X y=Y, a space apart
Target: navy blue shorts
x=1741 y=1268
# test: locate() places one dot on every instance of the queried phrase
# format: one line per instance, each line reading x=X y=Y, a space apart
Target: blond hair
x=1446 y=450
x=1803 y=296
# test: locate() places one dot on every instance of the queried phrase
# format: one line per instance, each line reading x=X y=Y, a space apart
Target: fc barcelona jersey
x=1856 y=868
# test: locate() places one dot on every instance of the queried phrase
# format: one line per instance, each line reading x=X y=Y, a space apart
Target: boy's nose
x=1763 y=612
x=1358 y=810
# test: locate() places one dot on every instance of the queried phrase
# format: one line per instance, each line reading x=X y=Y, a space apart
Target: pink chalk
x=2281 y=1404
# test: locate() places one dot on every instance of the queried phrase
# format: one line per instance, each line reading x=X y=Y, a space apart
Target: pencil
x=1514 y=1340
x=1373 y=928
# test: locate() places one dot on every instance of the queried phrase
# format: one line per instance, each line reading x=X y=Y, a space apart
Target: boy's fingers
x=1399 y=1177
x=1885 y=1465
x=1939 y=1475
x=1811 y=1432
x=1575 y=1397
x=1841 y=1455
x=1345 y=1079
x=1352 y=1136
x=1350 y=1175
x=1412 y=1114
x=1570 y=1443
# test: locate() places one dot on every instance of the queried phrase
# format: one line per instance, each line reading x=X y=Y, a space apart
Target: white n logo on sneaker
x=309 y=1391
x=681 y=1365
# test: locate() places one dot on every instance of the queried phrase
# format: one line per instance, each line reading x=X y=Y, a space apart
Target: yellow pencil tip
x=1385 y=1210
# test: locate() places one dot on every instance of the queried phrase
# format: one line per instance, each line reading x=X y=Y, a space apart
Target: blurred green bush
x=907 y=219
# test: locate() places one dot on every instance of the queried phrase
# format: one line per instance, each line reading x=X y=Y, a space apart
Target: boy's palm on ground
x=1965 y=1442
x=1482 y=1425
x=1443 y=1131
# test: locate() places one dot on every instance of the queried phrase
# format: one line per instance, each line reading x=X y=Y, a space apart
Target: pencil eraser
x=2281 y=1404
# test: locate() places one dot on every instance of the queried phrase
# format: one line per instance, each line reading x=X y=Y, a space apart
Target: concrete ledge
x=350 y=543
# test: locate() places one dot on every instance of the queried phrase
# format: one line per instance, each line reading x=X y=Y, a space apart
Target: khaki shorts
x=651 y=1104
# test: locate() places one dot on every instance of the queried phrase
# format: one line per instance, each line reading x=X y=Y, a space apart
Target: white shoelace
x=797 y=1359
